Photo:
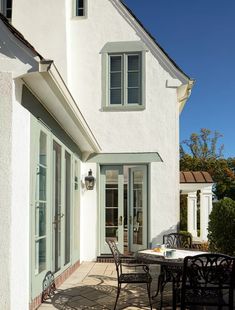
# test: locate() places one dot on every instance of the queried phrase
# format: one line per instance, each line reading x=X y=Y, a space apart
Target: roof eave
x=50 y=89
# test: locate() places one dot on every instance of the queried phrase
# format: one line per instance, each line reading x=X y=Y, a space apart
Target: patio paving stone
x=93 y=286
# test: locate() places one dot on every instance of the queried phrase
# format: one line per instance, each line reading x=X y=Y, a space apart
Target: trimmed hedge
x=221 y=228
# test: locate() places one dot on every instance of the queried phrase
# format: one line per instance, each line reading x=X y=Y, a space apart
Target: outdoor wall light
x=89 y=181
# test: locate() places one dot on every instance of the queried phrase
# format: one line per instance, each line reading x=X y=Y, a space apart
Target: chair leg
x=159 y=285
x=149 y=294
x=161 y=294
x=118 y=292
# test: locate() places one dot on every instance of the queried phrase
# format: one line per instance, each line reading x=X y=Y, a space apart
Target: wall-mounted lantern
x=89 y=181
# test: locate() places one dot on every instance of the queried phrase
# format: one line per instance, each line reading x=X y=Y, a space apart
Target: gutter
x=48 y=66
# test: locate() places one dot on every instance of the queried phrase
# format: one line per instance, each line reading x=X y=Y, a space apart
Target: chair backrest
x=177 y=240
x=206 y=277
x=116 y=255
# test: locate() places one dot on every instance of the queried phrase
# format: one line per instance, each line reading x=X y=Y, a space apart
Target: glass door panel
x=41 y=206
x=138 y=208
x=112 y=206
x=56 y=206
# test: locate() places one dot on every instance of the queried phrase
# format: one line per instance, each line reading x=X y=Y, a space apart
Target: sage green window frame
x=123 y=49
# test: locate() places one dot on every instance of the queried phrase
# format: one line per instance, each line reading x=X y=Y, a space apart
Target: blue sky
x=200 y=36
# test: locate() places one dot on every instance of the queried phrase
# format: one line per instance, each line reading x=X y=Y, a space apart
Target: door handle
x=60 y=215
x=120 y=220
x=57 y=218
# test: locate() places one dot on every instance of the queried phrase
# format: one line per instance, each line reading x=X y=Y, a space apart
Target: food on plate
x=158 y=249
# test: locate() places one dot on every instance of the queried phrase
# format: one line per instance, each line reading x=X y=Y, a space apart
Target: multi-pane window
x=6 y=8
x=80 y=8
x=125 y=79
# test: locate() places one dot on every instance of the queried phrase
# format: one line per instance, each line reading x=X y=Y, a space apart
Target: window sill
x=74 y=17
x=123 y=108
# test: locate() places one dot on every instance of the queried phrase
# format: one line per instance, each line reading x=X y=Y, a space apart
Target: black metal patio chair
x=172 y=273
x=208 y=281
x=137 y=273
x=177 y=241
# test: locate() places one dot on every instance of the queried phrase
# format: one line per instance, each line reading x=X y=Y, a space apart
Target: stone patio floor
x=93 y=287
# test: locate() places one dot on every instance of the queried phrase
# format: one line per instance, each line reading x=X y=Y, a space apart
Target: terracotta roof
x=153 y=38
x=195 y=177
x=19 y=35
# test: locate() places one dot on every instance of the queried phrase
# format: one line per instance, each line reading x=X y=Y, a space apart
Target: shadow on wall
x=159 y=238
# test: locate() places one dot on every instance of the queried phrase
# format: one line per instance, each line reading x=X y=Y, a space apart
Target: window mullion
x=125 y=79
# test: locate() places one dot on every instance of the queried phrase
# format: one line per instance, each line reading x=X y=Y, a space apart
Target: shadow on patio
x=94 y=286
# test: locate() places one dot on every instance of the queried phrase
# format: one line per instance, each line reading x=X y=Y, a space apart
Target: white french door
x=124 y=207
x=61 y=206
x=54 y=190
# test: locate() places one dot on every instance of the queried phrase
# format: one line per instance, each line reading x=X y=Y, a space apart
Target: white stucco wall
x=5 y=186
x=88 y=217
x=43 y=22
x=155 y=129
x=20 y=203
x=14 y=177
x=14 y=198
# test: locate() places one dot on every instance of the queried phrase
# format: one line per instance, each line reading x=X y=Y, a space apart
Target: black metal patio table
x=174 y=263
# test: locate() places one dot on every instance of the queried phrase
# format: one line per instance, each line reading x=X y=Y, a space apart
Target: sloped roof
x=153 y=38
x=195 y=177
x=19 y=35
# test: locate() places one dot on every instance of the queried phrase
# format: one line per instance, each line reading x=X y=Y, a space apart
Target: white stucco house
x=92 y=90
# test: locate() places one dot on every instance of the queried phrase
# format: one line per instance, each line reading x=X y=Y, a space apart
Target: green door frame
x=120 y=168
x=37 y=277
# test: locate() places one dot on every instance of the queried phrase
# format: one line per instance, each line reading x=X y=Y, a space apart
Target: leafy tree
x=203 y=145
x=206 y=155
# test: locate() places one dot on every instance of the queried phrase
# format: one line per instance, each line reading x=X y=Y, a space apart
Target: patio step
x=105 y=258
x=108 y=258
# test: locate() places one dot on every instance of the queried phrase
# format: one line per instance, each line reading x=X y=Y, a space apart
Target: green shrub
x=183 y=212
x=221 y=228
